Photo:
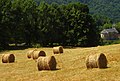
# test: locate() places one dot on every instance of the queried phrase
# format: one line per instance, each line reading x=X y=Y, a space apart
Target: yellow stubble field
x=71 y=65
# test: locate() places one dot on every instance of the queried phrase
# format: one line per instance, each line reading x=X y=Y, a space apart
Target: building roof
x=109 y=30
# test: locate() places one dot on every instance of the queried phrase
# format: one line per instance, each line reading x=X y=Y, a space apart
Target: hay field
x=70 y=66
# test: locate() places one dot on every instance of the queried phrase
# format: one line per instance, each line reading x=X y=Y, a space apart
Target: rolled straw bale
x=57 y=50
x=8 y=58
x=96 y=61
x=30 y=53
x=37 y=54
x=46 y=63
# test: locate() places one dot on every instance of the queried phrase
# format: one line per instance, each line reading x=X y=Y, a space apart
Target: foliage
x=107 y=26
x=108 y=8
x=67 y=24
x=5 y=6
x=110 y=42
x=24 y=21
x=110 y=25
x=117 y=26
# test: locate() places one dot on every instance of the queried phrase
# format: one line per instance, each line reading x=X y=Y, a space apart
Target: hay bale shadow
x=57 y=69
x=105 y=68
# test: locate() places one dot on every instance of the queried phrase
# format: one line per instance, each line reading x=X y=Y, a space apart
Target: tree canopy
x=24 y=21
x=108 y=8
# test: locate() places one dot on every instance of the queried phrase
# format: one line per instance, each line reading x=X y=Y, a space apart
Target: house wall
x=119 y=36
x=105 y=36
x=109 y=36
x=113 y=36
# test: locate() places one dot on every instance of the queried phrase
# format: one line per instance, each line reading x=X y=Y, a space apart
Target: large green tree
x=5 y=6
x=23 y=17
x=79 y=25
x=49 y=24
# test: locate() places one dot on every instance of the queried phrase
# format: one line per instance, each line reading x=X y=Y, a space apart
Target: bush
x=110 y=42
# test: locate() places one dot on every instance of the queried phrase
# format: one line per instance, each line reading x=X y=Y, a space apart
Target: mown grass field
x=70 y=66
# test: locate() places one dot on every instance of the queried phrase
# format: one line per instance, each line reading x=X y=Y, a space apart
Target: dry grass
x=71 y=66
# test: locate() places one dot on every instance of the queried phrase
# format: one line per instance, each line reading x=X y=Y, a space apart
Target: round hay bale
x=57 y=50
x=30 y=53
x=46 y=63
x=37 y=54
x=96 y=61
x=8 y=58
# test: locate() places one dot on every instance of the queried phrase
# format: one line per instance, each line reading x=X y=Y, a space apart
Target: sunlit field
x=70 y=65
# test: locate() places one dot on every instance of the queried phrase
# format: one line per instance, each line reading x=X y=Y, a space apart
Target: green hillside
x=108 y=8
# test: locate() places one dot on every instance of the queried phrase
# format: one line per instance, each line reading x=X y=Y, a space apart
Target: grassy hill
x=108 y=8
x=71 y=66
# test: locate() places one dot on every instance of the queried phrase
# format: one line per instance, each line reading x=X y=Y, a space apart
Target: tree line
x=24 y=21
